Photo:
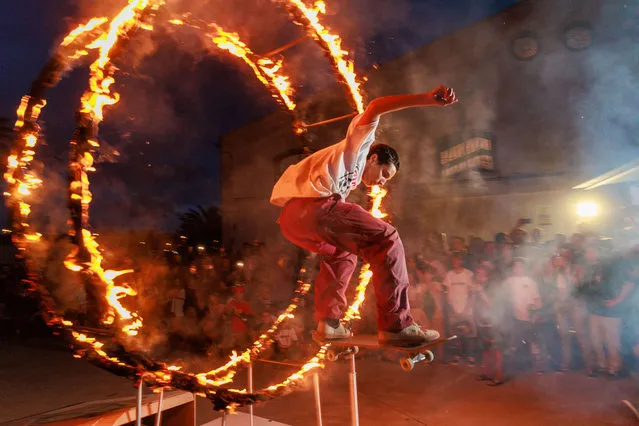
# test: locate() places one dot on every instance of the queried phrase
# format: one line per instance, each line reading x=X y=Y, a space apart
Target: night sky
x=177 y=100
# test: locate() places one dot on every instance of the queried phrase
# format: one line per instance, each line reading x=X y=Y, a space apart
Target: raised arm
x=441 y=96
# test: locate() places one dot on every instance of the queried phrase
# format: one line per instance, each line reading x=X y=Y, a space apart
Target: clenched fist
x=443 y=96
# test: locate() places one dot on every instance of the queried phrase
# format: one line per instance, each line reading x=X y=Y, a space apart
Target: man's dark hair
x=385 y=154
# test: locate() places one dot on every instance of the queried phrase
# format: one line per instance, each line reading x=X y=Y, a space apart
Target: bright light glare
x=587 y=209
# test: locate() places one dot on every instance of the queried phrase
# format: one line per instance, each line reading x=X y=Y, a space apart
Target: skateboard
x=414 y=354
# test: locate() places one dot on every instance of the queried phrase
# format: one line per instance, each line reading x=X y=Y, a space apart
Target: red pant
x=340 y=231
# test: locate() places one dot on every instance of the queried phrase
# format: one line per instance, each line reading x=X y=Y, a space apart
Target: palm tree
x=201 y=225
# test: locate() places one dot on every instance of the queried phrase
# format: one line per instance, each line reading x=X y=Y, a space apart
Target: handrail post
x=318 y=402
x=352 y=378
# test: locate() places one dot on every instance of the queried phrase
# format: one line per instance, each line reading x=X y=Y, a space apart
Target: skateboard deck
x=350 y=346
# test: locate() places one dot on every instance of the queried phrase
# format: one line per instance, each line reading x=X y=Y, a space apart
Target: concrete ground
x=34 y=380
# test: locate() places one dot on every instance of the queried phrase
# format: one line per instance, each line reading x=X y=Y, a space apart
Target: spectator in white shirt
x=526 y=301
x=459 y=286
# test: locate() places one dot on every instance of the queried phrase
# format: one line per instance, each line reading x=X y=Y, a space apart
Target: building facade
x=546 y=90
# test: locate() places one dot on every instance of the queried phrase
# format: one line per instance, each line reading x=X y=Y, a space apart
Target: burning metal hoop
x=86 y=258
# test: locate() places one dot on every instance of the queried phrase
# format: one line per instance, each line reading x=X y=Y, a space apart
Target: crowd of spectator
x=519 y=303
x=514 y=302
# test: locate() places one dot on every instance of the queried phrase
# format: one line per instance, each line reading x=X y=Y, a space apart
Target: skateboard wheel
x=406 y=364
x=331 y=355
x=430 y=357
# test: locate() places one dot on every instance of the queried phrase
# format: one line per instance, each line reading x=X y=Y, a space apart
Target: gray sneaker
x=412 y=335
x=325 y=331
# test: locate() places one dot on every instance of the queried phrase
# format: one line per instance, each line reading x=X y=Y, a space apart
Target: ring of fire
x=86 y=257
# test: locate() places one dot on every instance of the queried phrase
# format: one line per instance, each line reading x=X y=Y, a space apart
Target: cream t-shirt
x=459 y=286
x=336 y=169
x=524 y=293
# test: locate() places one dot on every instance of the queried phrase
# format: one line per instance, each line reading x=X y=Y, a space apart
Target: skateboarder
x=316 y=217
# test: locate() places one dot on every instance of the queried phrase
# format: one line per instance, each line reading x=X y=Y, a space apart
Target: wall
x=552 y=117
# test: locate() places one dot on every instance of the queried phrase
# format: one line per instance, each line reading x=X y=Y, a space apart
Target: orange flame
x=33 y=237
x=97 y=347
x=365 y=276
x=81 y=29
x=32 y=139
x=113 y=293
x=93 y=102
x=352 y=312
x=265 y=69
x=268 y=71
x=24 y=102
x=99 y=95
x=258 y=346
x=22 y=184
x=316 y=362
x=334 y=43
x=377 y=194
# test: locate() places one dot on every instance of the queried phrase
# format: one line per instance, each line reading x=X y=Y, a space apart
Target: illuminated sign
x=474 y=153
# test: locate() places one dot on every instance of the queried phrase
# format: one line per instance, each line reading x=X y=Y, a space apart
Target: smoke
x=560 y=113
x=606 y=113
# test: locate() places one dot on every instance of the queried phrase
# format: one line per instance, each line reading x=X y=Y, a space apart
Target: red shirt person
x=240 y=309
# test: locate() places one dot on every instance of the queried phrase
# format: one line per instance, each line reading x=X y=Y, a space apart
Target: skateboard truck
x=333 y=354
x=408 y=362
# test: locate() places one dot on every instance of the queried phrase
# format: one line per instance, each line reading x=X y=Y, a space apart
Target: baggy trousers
x=341 y=231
